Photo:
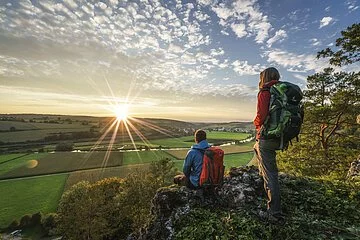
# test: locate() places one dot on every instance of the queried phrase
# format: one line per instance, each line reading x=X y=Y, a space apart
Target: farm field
x=226 y=135
x=19 y=162
x=230 y=160
x=9 y=157
x=131 y=158
x=33 y=135
x=47 y=163
x=28 y=196
x=237 y=159
x=60 y=162
x=94 y=175
x=245 y=147
x=5 y=125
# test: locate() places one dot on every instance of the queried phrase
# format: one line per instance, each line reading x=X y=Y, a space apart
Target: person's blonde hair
x=268 y=75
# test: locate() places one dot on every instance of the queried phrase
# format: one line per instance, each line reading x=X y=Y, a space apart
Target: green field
x=188 y=141
x=94 y=175
x=226 y=135
x=144 y=157
x=8 y=157
x=36 y=131
x=237 y=159
x=42 y=193
x=28 y=196
x=47 y=163
x=18 y=162
x=230 y=160
x=244 y=147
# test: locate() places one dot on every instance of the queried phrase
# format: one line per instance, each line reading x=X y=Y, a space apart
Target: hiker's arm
x=187 y=164
x=262 y=108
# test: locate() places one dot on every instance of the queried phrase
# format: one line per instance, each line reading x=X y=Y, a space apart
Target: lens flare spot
x=32 y=163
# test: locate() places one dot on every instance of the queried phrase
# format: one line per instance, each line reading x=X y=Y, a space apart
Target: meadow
x=230 y=160
x=59 y=162
x=28 y=196
x=44 y=176
x=26 y=131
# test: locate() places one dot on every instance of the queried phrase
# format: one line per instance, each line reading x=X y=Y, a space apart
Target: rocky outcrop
x=241 y=186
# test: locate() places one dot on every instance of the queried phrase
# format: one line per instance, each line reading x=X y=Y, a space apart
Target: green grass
x=7 y=157
x=188 y=141
x=237 y=159
x=226 y=135
x=48 y=163
x=28 y=196
x=244 y=147
x=19 y=162
x=94 y=175
x=179 y=164
x=36 y=131
x=5 y=125
x=144 y=157
x=230 y=160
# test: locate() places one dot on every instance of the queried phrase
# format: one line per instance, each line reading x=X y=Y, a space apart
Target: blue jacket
x=193 y=162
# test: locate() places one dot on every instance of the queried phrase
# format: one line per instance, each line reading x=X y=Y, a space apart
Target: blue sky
x=188 y=60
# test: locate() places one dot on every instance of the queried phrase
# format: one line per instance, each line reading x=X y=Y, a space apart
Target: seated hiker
x=193 y=162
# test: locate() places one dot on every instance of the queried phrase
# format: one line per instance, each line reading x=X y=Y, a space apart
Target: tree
x=138 y=190
x=330 y=133
x=164 y=170
x=349 y=44
x=48 y=222
x=64 y=147
x=90 y=211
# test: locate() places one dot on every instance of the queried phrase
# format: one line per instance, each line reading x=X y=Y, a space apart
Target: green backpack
x=286 y=113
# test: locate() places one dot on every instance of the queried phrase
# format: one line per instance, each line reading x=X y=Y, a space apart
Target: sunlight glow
x=121 y=112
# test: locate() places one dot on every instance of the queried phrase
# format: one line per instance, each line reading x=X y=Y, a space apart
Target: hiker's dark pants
x=266 y=156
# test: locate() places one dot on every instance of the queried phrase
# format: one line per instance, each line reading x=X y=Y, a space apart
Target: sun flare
x=121 y=112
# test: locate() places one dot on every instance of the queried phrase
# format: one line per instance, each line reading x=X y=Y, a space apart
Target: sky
x=187 y=60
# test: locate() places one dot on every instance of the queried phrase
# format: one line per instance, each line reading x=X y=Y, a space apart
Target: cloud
x=239 y=29
x=243 y=68
x=279 y=36
x=351 y=5
x=296 y=62
x=325 y=21
x=244 y=18
x=300 y=77
x=315 y=42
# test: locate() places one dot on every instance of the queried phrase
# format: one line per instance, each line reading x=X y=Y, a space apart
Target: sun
x=121 y=112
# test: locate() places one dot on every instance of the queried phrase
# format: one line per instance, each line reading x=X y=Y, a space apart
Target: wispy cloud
x=279 y=36
x=325 y=21
x=244 y=18
x=295 y=62
x=243 y=68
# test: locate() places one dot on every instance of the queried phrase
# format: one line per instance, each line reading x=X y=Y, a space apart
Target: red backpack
x=212 y=172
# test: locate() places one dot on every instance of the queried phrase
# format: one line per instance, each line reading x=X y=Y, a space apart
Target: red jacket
x=263 y=102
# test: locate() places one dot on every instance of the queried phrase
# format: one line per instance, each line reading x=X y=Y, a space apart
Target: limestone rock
x=241 y=186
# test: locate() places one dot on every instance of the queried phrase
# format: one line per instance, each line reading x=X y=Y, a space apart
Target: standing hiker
x=265 y=148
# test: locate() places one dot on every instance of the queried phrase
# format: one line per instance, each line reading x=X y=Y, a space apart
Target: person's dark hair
x=268 y=75
x=200 y=135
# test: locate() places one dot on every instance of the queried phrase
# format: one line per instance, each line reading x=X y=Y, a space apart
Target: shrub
x=36 y=219
x=64 y=146
x=25 y=221
x=48 y=222
x=13 y=225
